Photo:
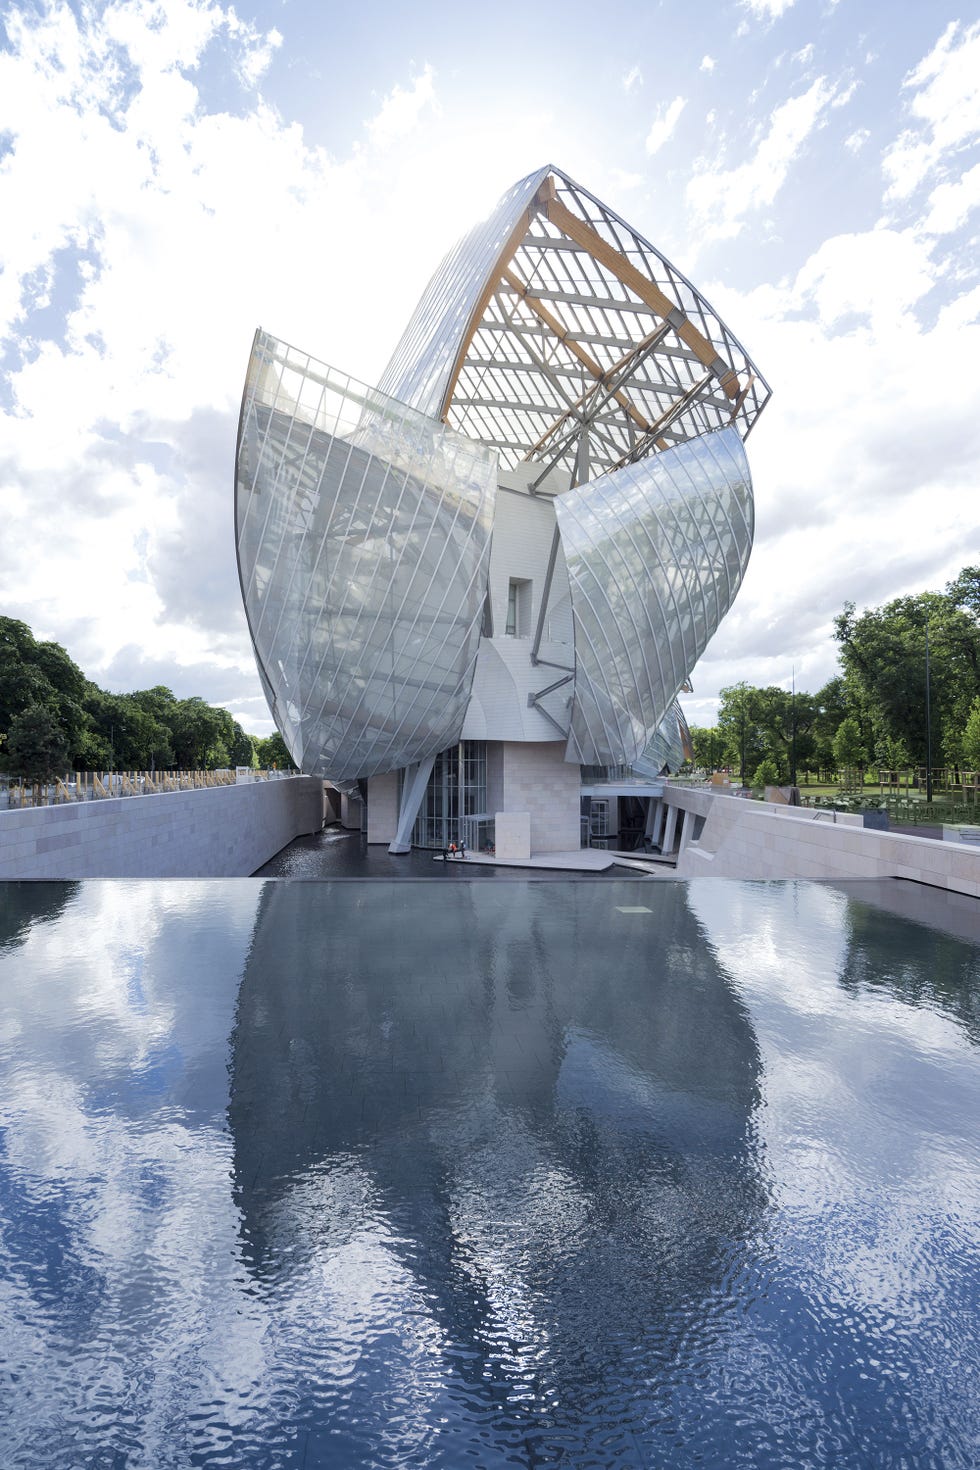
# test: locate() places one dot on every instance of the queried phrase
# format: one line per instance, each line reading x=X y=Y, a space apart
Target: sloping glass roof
x=558 y=335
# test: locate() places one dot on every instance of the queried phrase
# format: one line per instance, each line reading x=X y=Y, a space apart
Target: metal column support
x=413 y=789
x=687 y=831
x=655 y=809
x=545 y=595
x=667 y=845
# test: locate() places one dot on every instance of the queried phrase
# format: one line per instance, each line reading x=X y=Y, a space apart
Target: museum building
x=485 y=582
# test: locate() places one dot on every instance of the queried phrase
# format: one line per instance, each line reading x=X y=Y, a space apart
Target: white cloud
x=951 y=203
x=841 y=449
x=664 y=123
x=856 y=140
x=400 y=111
x=633 y=78
x=163 y=231
x=945 y=107
x=805 y=55
x=708 y=63
x=721 y=198
x=257 y=58
x=767 y=9
x=621 y=180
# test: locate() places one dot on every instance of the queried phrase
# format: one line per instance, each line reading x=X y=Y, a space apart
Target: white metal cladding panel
x=523 y=528
x=363 y=532
x=420 y=367
x=498 y=707
x=655 y=552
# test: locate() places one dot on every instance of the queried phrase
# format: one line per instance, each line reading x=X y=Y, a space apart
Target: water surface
x=401 y=1174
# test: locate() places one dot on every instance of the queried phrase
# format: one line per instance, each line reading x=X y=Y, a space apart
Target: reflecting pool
x=378 y=1173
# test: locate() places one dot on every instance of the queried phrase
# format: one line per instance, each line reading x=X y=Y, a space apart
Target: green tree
x=850 y=752
x=37 y=746
x=36 y=674
x=739 y=729
x=708 y=746
x=970 y=745
x=775 y=724
x=766 y=774
x=272 y=752
x=202 y=735
x=832 y=706
x=129 y=736
x=883 y=653
x=964 y=591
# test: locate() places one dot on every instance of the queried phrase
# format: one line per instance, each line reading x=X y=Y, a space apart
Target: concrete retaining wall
x=752 y=839
x=217 y=832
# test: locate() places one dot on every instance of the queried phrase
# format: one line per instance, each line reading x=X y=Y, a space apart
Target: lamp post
x=928 y=724
x=792 y=737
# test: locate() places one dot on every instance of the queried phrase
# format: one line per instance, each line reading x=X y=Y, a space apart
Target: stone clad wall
x=538 y=780
x=217 y=832
x=752 y=839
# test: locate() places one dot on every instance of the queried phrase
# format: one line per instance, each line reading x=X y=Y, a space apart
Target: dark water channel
x=335 y=853
x=378 y=1173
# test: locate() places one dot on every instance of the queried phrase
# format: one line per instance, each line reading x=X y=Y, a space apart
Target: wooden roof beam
x=616 y=263
x=542 y=199
x=557 y=327
x=609 y=376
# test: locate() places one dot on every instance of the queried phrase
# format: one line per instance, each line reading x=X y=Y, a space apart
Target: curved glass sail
x=363 y=538
x=669 y=747
x=656 y=553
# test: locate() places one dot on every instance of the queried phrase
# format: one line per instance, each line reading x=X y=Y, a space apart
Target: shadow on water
x=497 y=1157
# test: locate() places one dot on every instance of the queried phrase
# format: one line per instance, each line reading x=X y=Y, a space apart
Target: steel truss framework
x=557 y=334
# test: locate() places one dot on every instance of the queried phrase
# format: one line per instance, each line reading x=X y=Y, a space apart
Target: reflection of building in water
x=564 y=387
x=22 y=905
x=939 y=972
x=493 y=1144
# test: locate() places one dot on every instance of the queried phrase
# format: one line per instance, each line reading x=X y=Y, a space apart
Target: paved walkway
x=581 y=860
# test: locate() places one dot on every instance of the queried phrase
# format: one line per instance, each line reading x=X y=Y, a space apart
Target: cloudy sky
x=174 y=174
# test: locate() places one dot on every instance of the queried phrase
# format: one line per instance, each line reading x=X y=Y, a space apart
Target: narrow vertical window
x=518 y=608
x=511 y=629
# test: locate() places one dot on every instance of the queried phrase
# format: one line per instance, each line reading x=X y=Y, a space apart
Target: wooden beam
x=561 y=332
x=604 y=380
x=668 y=416
x=544 y=196
x=615 y=262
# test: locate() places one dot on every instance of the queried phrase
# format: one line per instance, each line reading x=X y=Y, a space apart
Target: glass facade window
x=457 y=790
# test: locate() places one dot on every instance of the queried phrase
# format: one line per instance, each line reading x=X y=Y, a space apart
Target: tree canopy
x=874 y=710
x=52 y=718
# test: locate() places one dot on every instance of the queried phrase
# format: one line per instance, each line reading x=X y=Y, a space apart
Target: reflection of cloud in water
x=119 y=1228
x=869 y=1124
x=503 y=1175
x=524 y=1119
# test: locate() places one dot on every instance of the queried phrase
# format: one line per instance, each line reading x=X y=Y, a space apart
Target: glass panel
x=363 y=534
x=655 y=555
x=455 y=795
